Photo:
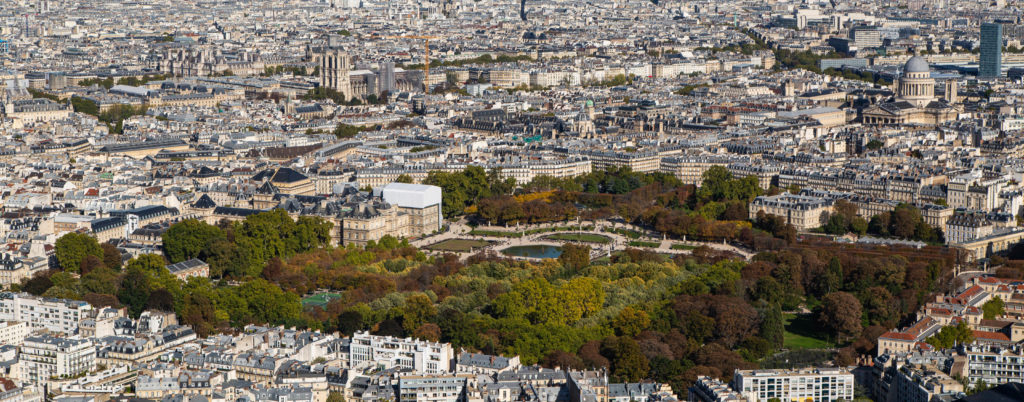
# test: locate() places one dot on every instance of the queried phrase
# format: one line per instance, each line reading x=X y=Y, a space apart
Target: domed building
x=915 y=101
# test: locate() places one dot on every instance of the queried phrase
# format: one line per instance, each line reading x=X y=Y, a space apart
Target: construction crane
x=426 y=56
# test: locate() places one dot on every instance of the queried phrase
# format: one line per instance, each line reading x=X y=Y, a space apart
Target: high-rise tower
x=990 y=64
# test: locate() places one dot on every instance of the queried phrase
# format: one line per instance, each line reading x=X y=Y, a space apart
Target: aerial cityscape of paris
x=511 y=200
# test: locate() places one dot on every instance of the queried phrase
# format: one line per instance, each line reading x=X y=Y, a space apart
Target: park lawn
x=495 y=233
x=632 y=234
x=458 y=245
x=638 y=243
x=319 y=300
x=802 y=332
x=682 y=247
x=581 y=237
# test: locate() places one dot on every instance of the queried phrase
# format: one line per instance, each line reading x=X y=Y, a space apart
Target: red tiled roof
x=900 y=336
x=989 y=279
x=995 y=336
x=971 y=291
x=941 y=311
x=920 y=326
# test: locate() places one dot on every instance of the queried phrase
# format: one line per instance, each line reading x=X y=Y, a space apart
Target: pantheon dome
x=916 y=85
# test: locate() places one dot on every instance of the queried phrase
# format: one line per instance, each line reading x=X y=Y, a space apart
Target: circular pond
x=533 y=251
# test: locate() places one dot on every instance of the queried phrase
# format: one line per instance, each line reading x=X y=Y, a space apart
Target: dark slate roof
x=235 y=211
x=1013 y=391
x=288 y=175
x=204 y=202
x=482 y=360
x=102 y=224
x=205 y=172
x=264 y=175
x=267 y=188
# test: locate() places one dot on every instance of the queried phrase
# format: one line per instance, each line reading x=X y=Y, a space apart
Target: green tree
x=72 y=248
x=630 y=321
x=418 y=310
x=134 y=292
x=335 y=397
x=575 y=257
x=261 y=302
x=841 y=314
x=628 y=362
x=461 y=189
x=952 y=335
x=190 y=238
x=533 y=299
x=579 y=297
x=351 y=321
x=719 y=185
x=772 y=326
x=994 y=307
x=833 y=276
x=111 y=256
x=403 y=178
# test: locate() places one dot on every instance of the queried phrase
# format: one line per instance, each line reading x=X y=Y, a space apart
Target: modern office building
x=866 y=37
x=817 y=384
x=990 y=64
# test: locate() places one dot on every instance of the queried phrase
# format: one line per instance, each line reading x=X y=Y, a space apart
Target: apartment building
x=765 y=174
x=818 y=384
x=45 y=357
x=884 y=185
x=974 y=191
x=408 y=353
x=803 y=212
x=476 y=363
x=13 y=332
x=690 y=169
x=640 y=161
x=13 y=268
x=55 y=315
x=434 y=388
x=923 y=383
x=506 y=77
x=993 y=364
x=569 y=167
x=708 y=389
x=967 y=227
x=549 y=78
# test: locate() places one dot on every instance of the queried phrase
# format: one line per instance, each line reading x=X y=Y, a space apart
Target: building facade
x=46 y=357
x=335 y=65
x=795 y=385
x=406 y=353
x=56 y=315
x=990 y=62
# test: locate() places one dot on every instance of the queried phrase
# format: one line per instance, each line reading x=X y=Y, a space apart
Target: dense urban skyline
x=499 y=200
